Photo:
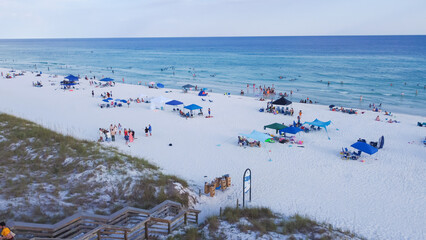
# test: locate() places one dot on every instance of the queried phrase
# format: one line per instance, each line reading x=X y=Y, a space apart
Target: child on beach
x=126 y=136
x=150 y=130
x=146 y=131
x=119 y=129
x=130 y=136
x=300 y=113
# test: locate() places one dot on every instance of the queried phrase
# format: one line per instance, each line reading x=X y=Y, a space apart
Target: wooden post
x=146 y=230
x=125 y=235
x=237 y=203
x=185 y=218
x=220 y=212
x=99 y=234
x=196 y=218
x=169 y=229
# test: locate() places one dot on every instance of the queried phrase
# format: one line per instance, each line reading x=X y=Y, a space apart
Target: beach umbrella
x=109 y=99
x=106 y=80
x=159 y=85
x=151 y=83
x=364 y=147
x=105 y=100
x=331 y=106
x=292 y=130
x=123 y=101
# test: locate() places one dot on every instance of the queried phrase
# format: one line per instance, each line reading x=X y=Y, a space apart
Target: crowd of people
x=110 y=134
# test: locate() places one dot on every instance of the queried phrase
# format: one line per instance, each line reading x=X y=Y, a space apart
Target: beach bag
x=13 y=234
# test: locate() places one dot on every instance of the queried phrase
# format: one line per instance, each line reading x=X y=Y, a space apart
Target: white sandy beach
x=381 y=198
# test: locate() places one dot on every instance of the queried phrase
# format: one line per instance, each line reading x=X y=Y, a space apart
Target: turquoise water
x=355 y=66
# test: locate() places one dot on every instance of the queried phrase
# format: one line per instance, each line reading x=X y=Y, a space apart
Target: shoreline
x=312 y=180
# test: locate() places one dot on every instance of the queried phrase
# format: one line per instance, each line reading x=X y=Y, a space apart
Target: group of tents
x=159 y=102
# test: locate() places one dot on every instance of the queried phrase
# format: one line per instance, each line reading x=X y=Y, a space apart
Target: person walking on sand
x=93 y=93
x=130 y=136
x=119 y=129
x=113 y=133
x=209 y=111
x=146 y=131
x=300 y=113
x=6 y=234
x=126 y=136
x=128 y=103
x=150 y=129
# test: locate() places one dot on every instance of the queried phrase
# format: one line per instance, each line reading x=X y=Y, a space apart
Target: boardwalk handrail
x=87 y=226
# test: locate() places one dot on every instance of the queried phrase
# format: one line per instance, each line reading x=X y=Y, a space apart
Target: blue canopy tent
x=292 y=130
x=106 y=80
x=258 y=136
x=174 y=102
x=71 y=78
x=123 y=101
x=159 y=85
x=364 y=147
x=193 y=107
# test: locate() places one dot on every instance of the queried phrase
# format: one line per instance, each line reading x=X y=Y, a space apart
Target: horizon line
x=354 y=35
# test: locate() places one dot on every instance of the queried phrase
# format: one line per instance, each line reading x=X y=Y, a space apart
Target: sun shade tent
x=159 y=85
x=282 y=101
x=158 y=102
x=193 y=107
x=106 y=80
x=258 y=136
x=292 y=130
x=275 y=126
x=364 y=147
x=319 y=123
x=71 y=78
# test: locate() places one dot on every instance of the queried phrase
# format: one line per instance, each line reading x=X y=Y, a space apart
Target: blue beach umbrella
x=109 y=99
x=106 y=80
x=123 y=101
x=292 y=130
x=105 y=100
x=365 y=147
x=159 y=85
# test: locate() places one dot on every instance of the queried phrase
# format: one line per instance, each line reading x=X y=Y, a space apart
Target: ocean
x=337 y=70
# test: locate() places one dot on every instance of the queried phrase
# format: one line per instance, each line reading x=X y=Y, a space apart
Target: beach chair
x=203 y=99
x=210 y=100
x=262 y=110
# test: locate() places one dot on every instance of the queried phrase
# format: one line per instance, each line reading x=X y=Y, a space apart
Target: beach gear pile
x=219 y=183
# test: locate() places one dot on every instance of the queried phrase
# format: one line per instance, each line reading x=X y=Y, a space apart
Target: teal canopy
x=318 y=123
x=258 y=136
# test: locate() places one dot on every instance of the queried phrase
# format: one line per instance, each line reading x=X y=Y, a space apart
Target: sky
x=204 y=18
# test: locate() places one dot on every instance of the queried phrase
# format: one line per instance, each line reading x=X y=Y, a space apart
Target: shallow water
x=354 y=66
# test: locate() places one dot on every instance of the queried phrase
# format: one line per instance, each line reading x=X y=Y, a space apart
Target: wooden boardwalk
x=128 y=224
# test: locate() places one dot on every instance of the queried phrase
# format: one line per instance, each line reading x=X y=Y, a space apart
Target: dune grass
x=47 y=176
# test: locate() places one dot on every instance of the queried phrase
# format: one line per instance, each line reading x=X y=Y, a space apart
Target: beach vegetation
x=47 y=176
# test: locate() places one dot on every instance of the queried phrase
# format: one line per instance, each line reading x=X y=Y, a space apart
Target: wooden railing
x=128 y=224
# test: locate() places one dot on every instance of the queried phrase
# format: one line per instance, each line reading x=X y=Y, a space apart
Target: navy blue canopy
x=71 y=78
x=365 y=147
x=188 y=86
x=106 y=80
x=174 y=102
x=193 y=107
x=292 y=130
